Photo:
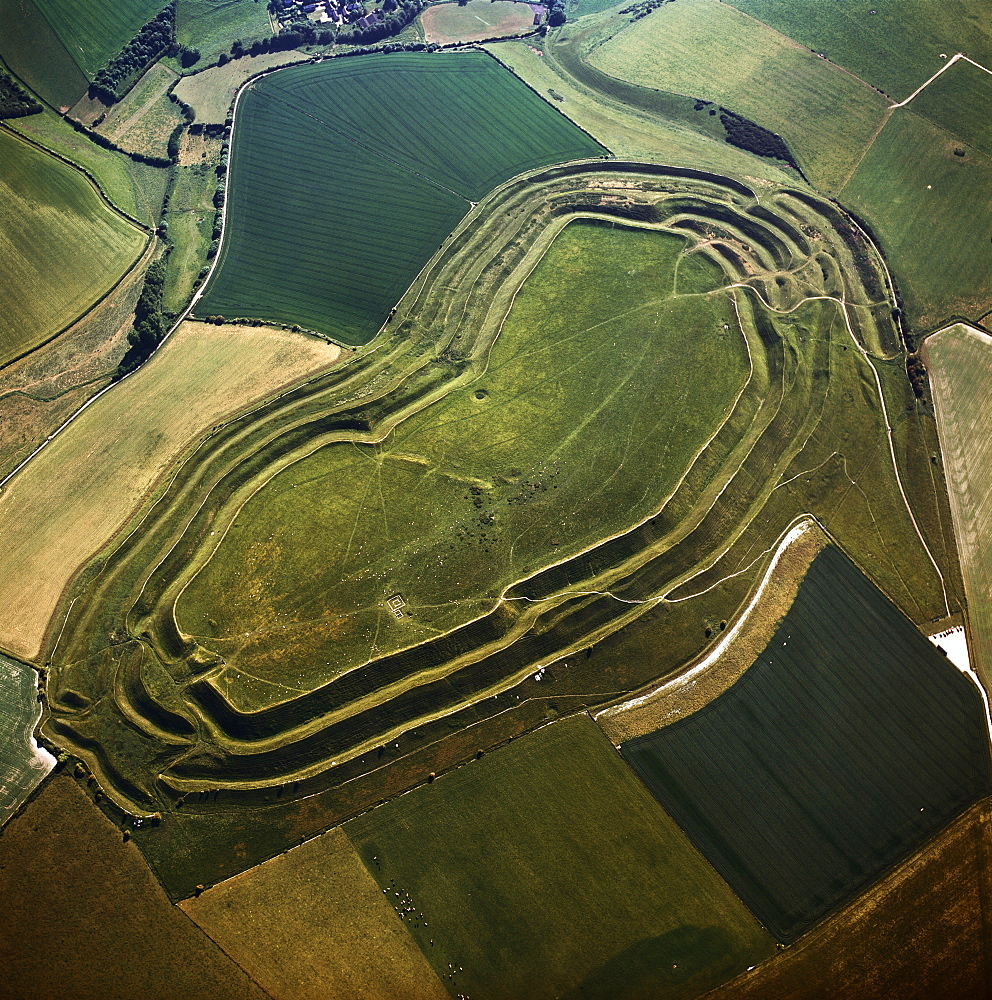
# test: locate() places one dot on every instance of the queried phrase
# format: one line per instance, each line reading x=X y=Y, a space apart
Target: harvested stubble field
x=848 y=744
x=334 y=206
x=893 y=44
x=959 y=360
x=314 y=923
x=706 y=49
x=56 y=233
x=813 y=383
x=83 y=917
x=475 y=20
x=111 y=456
x=584 y=880
x=145 y=119
x=920 y=933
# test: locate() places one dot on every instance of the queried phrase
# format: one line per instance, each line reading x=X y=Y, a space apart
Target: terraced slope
x=152 y=708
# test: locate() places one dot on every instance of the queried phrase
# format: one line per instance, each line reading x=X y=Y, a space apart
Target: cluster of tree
x=399 y=13
x=917 y=375
x=642 y=9
x=14 y=101
x=150 y=322
x=749 y=135
x=556 y=13
x=156 y=37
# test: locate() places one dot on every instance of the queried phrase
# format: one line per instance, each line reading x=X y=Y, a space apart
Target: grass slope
x=845 y=746
x=135 y=188
x=113 y=454
x=56 y=234
x=932 y=216
x=959 y=360
x=920 y=933
x=210 y=26
x=335 y=205
x=525 y=873
x=95 y=32
x=893 y=44
x=64 y=865
x=706 y=49
x=22 y=765
x=960 y=101
x=509 y=472
x=314 y=923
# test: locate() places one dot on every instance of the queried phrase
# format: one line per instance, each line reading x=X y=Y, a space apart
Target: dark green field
x=893 y=44
x=533 y=871
x=30 y=47
x=848 y=744
x=335 y=204
x=94 y=32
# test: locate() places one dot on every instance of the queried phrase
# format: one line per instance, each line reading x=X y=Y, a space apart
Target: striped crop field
x=846 y=746
x=56 y=233
x=92 y=32
x=346 y=176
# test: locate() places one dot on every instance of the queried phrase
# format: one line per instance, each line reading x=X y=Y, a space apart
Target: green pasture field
x=526 y=873
x=896 y=48
x=932 y=216
x=212 y=25
x=613 y=329
x=34 y=53
x=22 y=767
x=335 y=205
x=959 y=361
x=190 y=217
x=94 y=32
x=633 y=122
x=960 y=101
x=135 y=188
x=846 y=746
x=706 y=49
x=56 y=233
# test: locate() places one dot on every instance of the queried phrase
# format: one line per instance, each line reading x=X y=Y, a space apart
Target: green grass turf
x=93 y=31
x=895 y=49
x=58 y=235
x=706 y=49
x=21 y=767
x=135 y=188
x=960 y=101
x=191 y=218
x=931 y=213
x=335 y=204
x=525 y=873
x=578 y=427
x=846 y=745
x=212 y=25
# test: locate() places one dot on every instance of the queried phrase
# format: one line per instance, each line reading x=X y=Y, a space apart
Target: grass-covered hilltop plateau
x=494 y=499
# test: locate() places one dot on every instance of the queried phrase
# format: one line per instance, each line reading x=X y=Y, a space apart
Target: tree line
x=151 y=41
x=150 y=322
x=14 y=101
